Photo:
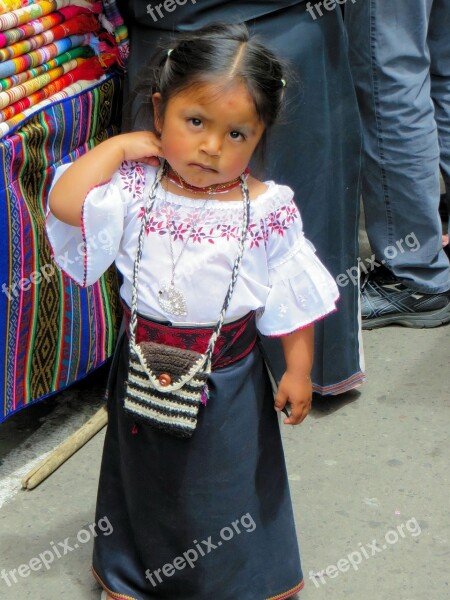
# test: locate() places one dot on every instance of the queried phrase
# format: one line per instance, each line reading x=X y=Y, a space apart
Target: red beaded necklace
x=215 y=188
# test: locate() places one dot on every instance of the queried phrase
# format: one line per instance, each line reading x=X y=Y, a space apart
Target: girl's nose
x=212 y=145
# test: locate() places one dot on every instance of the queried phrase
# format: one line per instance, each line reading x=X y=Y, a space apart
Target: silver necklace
x=170 y=298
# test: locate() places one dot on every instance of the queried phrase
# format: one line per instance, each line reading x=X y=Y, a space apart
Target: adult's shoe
x=387 y=301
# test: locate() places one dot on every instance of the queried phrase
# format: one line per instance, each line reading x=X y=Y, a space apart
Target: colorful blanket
x=11 y=36
x=30 y=87
x=35 y=10
x=8 y=5
x=42 y=55
x=77 y=25
x=21 y=78
x=18 y=120
x=60 y=94
x=52 y=332
x=69 y=73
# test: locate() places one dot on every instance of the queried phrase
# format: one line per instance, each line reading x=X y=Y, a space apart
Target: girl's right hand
x=98 y=166
x=141 y=146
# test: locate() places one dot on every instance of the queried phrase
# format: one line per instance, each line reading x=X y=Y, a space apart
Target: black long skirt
x=315 y=148
x=208 y=518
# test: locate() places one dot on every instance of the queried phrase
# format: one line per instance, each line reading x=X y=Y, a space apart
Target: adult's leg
x=315 y=149
x=390 y=60
x=439 y=45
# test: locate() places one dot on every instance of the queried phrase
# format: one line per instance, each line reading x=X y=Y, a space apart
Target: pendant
x=172 y=300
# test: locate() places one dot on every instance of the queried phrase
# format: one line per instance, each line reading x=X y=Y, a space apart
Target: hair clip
x=169 y=52
x=283 y=83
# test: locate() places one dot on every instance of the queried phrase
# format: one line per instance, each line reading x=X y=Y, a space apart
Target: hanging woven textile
x=61 y=69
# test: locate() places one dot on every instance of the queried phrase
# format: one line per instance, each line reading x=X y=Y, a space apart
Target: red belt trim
x=235 y=341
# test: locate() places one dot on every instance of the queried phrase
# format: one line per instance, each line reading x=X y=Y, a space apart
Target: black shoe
x=386 y=301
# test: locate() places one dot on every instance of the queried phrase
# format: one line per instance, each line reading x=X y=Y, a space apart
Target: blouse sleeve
x=86 y=252
x=301 y=289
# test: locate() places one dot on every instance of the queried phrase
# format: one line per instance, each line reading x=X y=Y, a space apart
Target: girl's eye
x=195 y=122
x=236 y=135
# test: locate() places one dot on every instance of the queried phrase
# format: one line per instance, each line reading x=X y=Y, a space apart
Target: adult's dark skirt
x=315 y=148
x=199 y=519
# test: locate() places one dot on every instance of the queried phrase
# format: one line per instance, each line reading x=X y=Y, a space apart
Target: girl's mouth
x=203 y=167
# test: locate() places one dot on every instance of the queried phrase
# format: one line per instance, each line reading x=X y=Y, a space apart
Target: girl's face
x=208 y=133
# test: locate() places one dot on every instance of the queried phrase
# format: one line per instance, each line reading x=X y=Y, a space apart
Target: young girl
x=209 y=516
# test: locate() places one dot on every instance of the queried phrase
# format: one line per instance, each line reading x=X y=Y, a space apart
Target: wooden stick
x=66 y=449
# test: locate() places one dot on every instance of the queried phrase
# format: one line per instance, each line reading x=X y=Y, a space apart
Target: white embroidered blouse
x=280 y=275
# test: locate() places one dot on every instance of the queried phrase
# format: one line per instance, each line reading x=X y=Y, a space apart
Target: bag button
x=165 y=379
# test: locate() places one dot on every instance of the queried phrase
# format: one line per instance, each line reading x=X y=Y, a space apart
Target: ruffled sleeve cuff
x=86 y=252
x=301 y=291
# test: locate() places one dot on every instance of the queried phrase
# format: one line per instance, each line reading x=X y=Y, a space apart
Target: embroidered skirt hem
x=282 y=596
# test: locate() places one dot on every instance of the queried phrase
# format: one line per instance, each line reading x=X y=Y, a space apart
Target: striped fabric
x=42 y=55
x=52 y=332
x=28 y=88
x=18 y=120
x=8 y=5
x=39 y=66
x=25 y=14
x=11 y=36
x=58 y=97
x=21 y=78
x=77 y=25
x=68 y=74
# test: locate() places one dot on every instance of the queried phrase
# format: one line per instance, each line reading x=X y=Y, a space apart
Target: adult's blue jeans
x=400 y=59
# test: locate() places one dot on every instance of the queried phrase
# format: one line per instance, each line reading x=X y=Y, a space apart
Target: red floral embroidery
x=276 y=222
x=197 y=235
x=201 y=225
x=168 y=212
x=291 y=213
x=153 y=225
x=228 y=231
x=280 y=220
x=133 y=178
x=178 y=231
x=255 y=235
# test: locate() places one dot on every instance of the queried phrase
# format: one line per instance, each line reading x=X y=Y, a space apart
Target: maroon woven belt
x=235 y=341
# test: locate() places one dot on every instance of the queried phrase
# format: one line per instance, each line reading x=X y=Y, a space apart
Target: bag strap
x=234 y=275
x=137 y=261
x=236 y=267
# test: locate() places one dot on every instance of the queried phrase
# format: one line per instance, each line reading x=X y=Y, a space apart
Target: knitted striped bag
x=166 y=385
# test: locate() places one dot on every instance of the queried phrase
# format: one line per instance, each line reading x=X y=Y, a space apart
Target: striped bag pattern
x=171 y=407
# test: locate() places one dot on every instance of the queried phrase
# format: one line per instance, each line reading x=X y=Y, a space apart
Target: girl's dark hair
x=221 y=51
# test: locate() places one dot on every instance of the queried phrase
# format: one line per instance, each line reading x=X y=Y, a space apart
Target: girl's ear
x=157 y=116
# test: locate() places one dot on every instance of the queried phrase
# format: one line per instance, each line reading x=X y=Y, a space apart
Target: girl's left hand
x=297 y=390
